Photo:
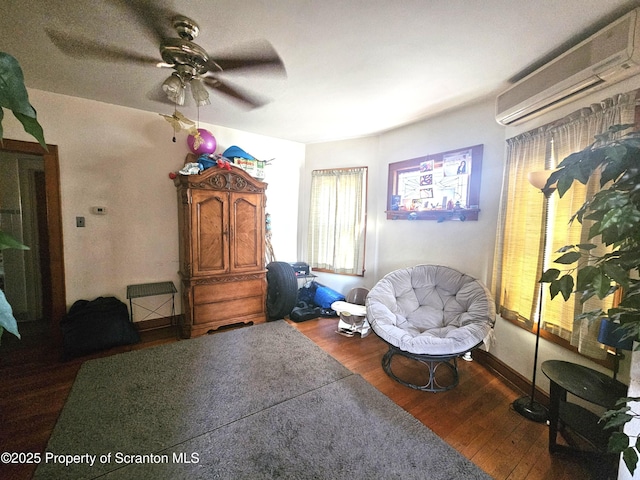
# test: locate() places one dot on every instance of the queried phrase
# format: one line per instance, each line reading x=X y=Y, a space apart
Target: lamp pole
x=527 y=406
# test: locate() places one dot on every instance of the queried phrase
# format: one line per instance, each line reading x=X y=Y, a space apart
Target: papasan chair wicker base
x=430 y=314
x=432 y=362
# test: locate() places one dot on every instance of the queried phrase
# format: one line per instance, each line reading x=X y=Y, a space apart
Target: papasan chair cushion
x=431 y=311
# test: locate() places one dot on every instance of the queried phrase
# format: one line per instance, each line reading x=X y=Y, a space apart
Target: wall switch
x=79 y=221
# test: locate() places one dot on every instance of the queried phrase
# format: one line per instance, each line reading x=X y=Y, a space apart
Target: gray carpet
x=253 y=403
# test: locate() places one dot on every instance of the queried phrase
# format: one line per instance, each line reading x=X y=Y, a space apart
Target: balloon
x=208 y=142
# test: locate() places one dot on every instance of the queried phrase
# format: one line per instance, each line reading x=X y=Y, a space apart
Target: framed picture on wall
x=442 y=186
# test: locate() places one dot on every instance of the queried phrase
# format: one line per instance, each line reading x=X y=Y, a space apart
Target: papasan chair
x=432 y=314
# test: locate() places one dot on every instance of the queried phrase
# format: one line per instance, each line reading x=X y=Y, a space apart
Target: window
x=337 y=220
x=532 y=228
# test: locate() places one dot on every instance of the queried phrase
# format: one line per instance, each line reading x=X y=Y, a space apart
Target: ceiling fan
x=192 y=65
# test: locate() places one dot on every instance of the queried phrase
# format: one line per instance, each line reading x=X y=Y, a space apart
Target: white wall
x=120 y=158
x=362 y=152
x=393 y=244
x=467 y=246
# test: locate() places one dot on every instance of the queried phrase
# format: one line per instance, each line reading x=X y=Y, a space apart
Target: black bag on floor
x=304 y=312
x=95 y=325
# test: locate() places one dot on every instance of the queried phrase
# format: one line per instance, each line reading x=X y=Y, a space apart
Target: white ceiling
x=354 y=67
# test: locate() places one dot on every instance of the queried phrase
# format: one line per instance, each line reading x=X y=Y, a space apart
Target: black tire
x=282 y=290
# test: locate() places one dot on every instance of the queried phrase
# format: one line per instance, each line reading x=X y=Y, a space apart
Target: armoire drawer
x=228 y=310
x=228 y=291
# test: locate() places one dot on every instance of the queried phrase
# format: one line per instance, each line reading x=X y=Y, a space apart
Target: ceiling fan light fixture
x=174 y=88
x=199 y=92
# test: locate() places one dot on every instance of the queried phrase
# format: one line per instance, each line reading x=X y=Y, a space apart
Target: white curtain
x=518 y=263
x=337 y=220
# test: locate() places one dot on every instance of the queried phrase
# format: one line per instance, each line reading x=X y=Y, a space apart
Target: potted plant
x=13 y=96
x=614 y=211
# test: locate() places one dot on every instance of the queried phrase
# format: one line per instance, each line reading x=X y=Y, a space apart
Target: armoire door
x=209 y=232
x=247 y=226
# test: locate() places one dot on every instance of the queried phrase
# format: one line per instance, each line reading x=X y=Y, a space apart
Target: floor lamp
x=527 y=406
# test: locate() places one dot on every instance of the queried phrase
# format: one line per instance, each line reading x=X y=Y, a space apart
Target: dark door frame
x=54 y=223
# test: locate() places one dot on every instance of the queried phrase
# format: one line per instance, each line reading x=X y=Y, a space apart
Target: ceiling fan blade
x=236 y=93
x=259 y=56
x=84 y=48
x=155 y=19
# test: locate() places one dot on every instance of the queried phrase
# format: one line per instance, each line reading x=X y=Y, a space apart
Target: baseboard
x=156 y=323
x=508 y=375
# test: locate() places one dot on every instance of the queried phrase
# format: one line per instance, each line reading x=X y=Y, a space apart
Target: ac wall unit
x=608 y=56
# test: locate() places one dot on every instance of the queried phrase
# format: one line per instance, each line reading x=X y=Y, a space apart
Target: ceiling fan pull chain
x=175 y=110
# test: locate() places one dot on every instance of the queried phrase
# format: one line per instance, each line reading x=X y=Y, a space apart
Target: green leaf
x=594 y=214
x=32 y=127
x=630 y=457
x=594 y=230
x=617 y=420
x=564 y=184
x=616 y=273
x=568 y=258
x=615 y=153
x=585 y=276
x=601 y=285
x=550 y=275
x=623 y=408
x=624 y=400
x=14 y=96
x=618 y=441
x=7 y=321
x=608 y=199
x=568 y=161
x=566 y=286
x=611 y=172
x=7 y=241
x=563 y=285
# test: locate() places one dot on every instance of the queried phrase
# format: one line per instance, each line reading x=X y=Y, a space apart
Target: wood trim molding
x=54 y=223
x=509 y=375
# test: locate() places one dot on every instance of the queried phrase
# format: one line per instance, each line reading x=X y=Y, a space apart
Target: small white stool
x=353 y=319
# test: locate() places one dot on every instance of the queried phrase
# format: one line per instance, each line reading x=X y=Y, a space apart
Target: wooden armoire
x=221 y=221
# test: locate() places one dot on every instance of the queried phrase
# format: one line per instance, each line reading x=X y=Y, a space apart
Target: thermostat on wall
x=99 y=210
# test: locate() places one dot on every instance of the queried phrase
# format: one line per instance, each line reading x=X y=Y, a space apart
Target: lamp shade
x=199 y=92
x=539 y=179
x=174 y=88
x=611 y=334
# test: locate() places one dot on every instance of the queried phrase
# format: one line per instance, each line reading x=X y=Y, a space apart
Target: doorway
x=32 y=280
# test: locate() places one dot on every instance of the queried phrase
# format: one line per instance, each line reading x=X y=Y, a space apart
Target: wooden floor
x=475 y=417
